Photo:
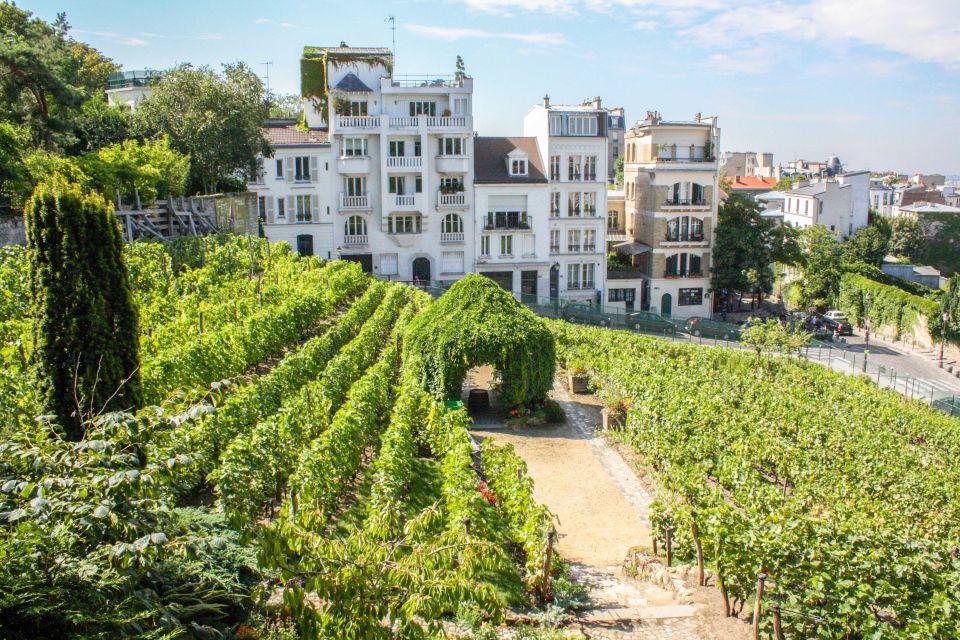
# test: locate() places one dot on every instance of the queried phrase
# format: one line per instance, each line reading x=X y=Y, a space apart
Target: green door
x=666 y=305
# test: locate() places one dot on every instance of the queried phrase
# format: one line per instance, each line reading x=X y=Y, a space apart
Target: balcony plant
x=341 y=106
x=446 y=113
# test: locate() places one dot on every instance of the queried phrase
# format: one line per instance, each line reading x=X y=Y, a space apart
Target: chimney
x=596 y=102
x=546 y=101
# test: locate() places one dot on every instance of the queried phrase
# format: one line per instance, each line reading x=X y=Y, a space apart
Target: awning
x=632 y=248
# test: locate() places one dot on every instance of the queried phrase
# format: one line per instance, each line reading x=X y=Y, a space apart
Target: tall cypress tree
x=86 y=329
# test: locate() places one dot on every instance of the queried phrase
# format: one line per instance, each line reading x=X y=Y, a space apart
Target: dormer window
x=518 y=167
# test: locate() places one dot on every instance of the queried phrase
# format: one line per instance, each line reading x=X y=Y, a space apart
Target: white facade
x=294 y=190
x=741 y=164
x=841 y=204
x=573 y=142
x=402 y=170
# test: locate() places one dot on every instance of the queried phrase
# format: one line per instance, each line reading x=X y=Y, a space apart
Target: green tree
x=907 y=238
x=786 y=183
x=214 y=118
x=99 y=125
x=868 y=245
x=14 y=177
x=289 y=105
x=822 y=265
x=86 y=334
x=950 y=305
x=618 y=166
x=151 y=168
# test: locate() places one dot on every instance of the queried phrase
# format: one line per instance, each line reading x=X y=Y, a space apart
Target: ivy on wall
x=476 y=322
x=313 y=72
x=886 y=306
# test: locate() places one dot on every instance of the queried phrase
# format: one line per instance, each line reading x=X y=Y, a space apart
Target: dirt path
x=602 y=510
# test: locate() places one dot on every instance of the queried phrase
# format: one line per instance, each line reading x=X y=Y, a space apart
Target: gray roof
x=490 y=160
x=926 y=271
x=810 y=189
x=352 y=84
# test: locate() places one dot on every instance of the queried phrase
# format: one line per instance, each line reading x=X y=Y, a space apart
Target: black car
x=712 y=329
x=822 y=326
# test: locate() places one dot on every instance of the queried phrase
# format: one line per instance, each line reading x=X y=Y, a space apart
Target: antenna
x=267 y=65
x=393 y=34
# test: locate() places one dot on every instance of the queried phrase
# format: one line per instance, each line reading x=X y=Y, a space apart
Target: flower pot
x=613 y=419
x=578 y=382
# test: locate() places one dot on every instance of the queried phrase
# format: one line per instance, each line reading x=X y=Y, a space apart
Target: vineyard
x=295 y=471
x=843 y=498
x=290 y=451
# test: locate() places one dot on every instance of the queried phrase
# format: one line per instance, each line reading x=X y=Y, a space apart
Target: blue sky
x=873 y=81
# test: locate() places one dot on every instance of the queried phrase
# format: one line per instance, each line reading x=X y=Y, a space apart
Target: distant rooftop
x=490 y=160
x=280 y=133
x=344 y=50
x=137 y=78
x=930 y=207
x=749 y=183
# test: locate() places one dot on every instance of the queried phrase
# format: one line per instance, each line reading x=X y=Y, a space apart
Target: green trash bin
x=452 y=405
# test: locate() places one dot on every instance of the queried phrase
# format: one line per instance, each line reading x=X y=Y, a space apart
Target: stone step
x=624 y=614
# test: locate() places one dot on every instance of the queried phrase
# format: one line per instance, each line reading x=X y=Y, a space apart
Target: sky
x=875 y=82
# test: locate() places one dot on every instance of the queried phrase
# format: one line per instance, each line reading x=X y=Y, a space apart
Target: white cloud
x=644 y=25
x=268 y=21
x=461 y=33
x=132 y=42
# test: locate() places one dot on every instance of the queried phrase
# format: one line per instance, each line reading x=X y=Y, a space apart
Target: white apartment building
x=882 y=196
x=402 y=167
x=512 y=232
x=841 y=204
x=573 y=144
x=743 y=164
x=671 y=197
x=294 y=189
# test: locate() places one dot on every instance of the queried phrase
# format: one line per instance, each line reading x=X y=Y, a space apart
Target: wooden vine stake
x=695 y=532
x=547 y=560
x=777 y=626
x=756 y=606
x=669 y=546
x=201 y=322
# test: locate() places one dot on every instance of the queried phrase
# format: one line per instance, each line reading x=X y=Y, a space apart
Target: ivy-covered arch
x=474 y=323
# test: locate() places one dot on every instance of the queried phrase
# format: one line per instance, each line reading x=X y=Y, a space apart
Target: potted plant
x=577 y=379
x=447 y=113
x=614 y=413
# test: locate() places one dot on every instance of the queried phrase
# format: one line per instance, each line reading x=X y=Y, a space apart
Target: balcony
x=353 y=241
x=675 y=204
x=406 y=122
x=352 y=203
x=506 y=226
x=446 y=122
x=677 y=237
x=452 y=164
x=573 y=248
x=412 y=163
x=451 y=238
x=589 y=248
x=406 y=202
x=361 y=123
x=353 y=164
x=456 y=200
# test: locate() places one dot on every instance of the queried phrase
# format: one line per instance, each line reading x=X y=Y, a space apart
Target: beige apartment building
x=670 y=210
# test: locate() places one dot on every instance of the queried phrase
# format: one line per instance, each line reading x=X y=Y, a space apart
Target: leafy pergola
x=476 y=322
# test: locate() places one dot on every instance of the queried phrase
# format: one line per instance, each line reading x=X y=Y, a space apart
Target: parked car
x=824 y=327
x=837 y=316
x=846 y=329
x=636 y=320
x=711 y=329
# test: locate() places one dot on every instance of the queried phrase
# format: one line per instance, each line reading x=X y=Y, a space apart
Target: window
x=821 y=208
x=690 y=297
x=554 y=240
x=589 y=240
x=518 y=167
x=303 y=208
x=555 y=123
x=460 y=106
x=621 y=295
x=388 y=264
x=573 y=240
x=506 y=245
x=397 y=184
x=698 y=196
x=507 y=220
x=590 y=168
x=555 y=204
x=590 y=203
x=554 y=167
x=573 y=276
x=529 y=244
x=588 y=270
x=418 y=184
x=573 y=205
x=305 y=245
x=451 y=262
x=355 y=226
x=280 y=169
x=452 y=223
x=302 y=168
x=582 y=125
x=613 y=220
x=423 y=107
x=355 y=186
x=354 y=146
x=281 y=209
x=417 y=148
x=573 y=168
x=685 y=229
x=451 y=185
x=357 y=108
x=485 y=245
x=683 y=264
x=396 y=149
x=262 y=208
x=452 y=146
x=404 y=224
